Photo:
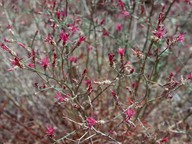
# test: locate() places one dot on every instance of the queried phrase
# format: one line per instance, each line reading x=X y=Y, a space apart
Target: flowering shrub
x=100 y=71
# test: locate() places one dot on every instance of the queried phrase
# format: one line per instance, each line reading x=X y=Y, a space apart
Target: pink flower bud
x=121 y=4
x=31 y=65
x=119 y=27
x=81 y=39
x=102 y=22
x=44 y=62
x=121 y=51
x=111 y=58
x=190 y=76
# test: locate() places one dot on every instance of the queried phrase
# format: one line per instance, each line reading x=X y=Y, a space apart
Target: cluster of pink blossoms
x=129 y=113
x=60 y=97
x=160 y=32
x=180 y=37
x=91 y=122
x=73 y=59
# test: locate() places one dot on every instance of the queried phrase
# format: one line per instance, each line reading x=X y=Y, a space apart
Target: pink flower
x=125 y=13
x=9 y=27
x=129 y=113
x=49 y=39
x=111 y=58
x=89 y=89
x=134 y=85
x=64 y=36
x=161 y=17
x=121 y=4
x=81 y=39
x=119 y=27
x=160 y=32
x=60 y=97
x=73 y=59
x=121 y=51
x=17 y=62
x=44 y=62
x=180 y=38
x=84 y=72
x=190 y=76
x=111 y=132
x=89 y=48
x=21 y=44
x=105 y=32
x=7 y=40
x=187 y=1
x=31 y=65
x=87 y=82
x=58 y=13
x=102 y=22
x=132 y=70
x=50 y=131
x=164 y=140
x=163 y=7
x=91 y=122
